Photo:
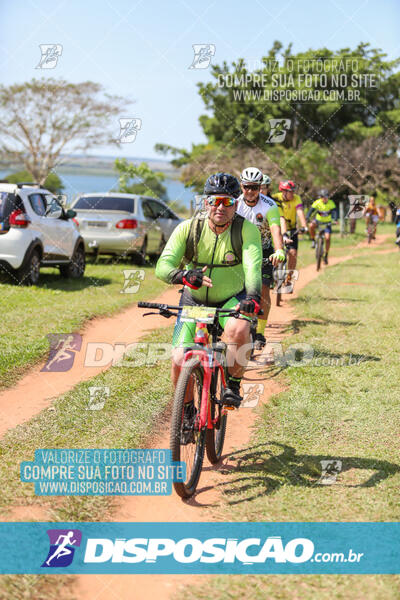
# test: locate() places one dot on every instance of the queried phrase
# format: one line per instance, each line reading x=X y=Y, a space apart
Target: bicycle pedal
x=230 y=408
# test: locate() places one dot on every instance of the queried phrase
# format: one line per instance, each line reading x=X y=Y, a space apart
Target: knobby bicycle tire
x=215 y=437
x=319 y=251
x=279 y=275
x=370 y=233
x=187 y=488
x=253 y=330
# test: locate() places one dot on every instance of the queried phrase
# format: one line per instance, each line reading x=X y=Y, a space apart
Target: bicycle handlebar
x=169 y=307
x=155 y=305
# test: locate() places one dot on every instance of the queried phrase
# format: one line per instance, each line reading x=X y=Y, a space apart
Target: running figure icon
x=62 y=549
x=63 y=543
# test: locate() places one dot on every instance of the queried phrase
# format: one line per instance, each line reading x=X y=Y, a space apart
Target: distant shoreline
x=99 y=165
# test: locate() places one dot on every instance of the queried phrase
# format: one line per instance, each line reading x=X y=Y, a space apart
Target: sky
x=142 y=49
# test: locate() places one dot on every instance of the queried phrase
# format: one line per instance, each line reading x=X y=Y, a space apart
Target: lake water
x=75 y=184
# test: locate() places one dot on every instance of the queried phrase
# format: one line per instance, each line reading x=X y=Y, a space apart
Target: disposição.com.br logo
x=63 y=543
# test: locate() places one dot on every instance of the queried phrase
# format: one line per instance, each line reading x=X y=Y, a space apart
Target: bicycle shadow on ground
x=319 y=359
x=353 y=264
x=259 y=467
x=344 y=300
x=296 y=325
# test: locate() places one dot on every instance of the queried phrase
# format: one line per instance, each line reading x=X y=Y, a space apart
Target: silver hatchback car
x=124 y=224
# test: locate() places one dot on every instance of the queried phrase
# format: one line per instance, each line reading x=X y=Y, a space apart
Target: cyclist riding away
x=290 y=209
x=263 y=212
x=325 y=211
x=220 y=271
x=371 y=212
x=397 y=221
x=266 y=186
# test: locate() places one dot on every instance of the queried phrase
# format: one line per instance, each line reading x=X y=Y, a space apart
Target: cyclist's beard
x=220 y=225
x=252 y=202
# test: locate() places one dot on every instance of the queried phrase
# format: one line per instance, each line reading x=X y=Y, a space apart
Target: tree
x=149 y=184
x=240 y=102
x=308 y=165
x=40 y=120
x=52 y=182
x=367 y=166
x=348 y=147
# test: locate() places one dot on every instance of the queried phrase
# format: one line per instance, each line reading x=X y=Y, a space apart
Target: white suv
x=36 y=231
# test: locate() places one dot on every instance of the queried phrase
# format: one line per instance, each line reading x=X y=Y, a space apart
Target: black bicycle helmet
x=222 y=183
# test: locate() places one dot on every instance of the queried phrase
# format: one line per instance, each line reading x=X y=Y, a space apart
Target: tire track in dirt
x=36 y=390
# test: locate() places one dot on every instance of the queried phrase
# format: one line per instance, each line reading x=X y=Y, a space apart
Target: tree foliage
x=41 y=120
x=239 y=119
x=149 y=184
x=347 y=146
x=52 y=182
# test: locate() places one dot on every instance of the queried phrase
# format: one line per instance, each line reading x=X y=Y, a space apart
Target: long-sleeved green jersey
x=216 y=251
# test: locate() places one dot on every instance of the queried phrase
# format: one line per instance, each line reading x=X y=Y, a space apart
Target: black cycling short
x=184 y=332
x=295 y=239
x=267 y=268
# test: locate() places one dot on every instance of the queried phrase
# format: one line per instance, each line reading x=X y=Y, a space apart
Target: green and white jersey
x=264 y=214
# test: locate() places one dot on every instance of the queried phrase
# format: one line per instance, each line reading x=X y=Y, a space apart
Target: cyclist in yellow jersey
x=324 y=210
x=290 y=209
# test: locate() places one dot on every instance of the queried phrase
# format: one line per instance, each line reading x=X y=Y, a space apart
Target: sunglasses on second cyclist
x=252 y=188
x=217 y=200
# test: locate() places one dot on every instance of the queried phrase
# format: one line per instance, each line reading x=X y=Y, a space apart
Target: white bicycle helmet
x=266 y=180
x=251 y=175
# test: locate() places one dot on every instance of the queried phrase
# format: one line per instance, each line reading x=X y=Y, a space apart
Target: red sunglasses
x=217 y=200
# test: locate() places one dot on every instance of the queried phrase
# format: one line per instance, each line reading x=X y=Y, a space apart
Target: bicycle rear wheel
x=188 y=443
x=215 y=437
x=370 y=233
x=319 y=251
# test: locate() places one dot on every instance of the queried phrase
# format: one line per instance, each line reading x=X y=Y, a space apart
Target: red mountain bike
x=202 y=379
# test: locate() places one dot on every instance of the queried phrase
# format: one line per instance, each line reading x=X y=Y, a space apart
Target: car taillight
x=18 y=219
x=75 y=221
x=127 y=224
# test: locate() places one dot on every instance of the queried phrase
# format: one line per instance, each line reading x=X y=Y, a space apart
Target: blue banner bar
x=257 y=548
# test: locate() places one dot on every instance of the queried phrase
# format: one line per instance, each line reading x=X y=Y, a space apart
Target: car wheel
x=29 y=273
x=76 y=267
x=139 y=258
x=163 y=243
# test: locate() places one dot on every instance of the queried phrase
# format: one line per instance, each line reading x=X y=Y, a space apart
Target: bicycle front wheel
x=280 y=279
x=319 y=251
x=216 y=436
x=187 y=442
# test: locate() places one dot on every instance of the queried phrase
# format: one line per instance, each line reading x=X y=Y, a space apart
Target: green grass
x=129 y=413
x=346 y=410
x=134 y=409
x=58 y=305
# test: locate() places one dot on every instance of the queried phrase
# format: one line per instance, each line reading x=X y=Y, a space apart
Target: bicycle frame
x=209 y=363
x=203 y=350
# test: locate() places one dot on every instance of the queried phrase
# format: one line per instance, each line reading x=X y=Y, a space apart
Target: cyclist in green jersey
x=217 y=276
x=324 y=210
